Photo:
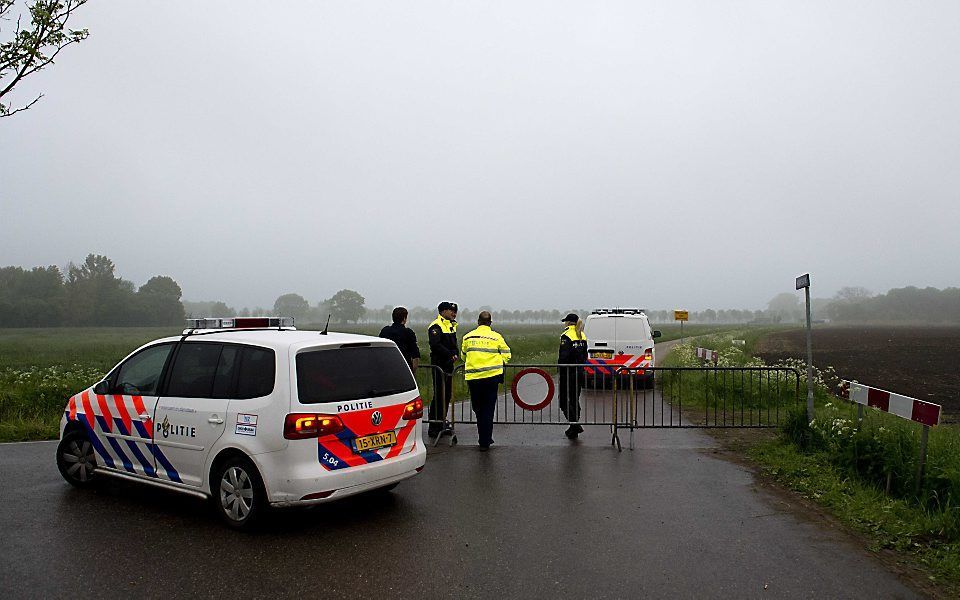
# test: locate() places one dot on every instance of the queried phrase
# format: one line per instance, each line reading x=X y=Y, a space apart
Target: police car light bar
x=240 y=323
x=619 y=311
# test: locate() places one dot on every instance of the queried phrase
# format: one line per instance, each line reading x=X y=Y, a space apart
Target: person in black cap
x=403 y=337
x=444 y=352
x=573 y=351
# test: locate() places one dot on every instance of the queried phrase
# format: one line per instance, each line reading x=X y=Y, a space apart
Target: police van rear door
x=601 y=332
x=633 y=339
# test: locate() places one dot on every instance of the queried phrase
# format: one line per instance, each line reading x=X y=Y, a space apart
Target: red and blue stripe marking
x=125 y=426
x=341 y=445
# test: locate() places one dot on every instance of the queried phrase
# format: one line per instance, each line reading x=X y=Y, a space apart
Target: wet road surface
x=536 y=517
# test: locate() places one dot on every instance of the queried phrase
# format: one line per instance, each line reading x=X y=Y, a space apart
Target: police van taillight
x=649 y=354
x=413 y=410
x=300 y=426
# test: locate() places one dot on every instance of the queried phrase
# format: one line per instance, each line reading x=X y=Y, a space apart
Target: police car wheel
x=76 y=459
x=238 y=492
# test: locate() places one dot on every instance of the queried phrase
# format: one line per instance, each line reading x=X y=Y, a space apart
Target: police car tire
x=76 y=459
x=238 y=511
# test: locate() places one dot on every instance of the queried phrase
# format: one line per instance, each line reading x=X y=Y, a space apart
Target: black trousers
x=442 y=389
x=570 y=383
x=483 y=398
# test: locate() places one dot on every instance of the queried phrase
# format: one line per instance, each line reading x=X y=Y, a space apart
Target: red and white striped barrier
x=906 y=407
x=706 y=354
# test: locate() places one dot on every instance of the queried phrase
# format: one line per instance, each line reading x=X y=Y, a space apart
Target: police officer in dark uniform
x=573 y=351
x=444 y=352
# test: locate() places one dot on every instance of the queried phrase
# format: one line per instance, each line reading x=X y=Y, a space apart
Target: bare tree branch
x=16 y=110
x=36 y=47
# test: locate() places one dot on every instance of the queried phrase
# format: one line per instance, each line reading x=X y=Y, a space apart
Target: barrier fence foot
x=616 y=440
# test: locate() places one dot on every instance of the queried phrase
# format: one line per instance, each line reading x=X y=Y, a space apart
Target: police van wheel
x=238 y=495
x=76 y=459
x=649 y=382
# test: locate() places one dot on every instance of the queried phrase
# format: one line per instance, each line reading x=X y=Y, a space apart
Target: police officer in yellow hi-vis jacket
x=573 y=351
x=484 y=352
x=442 y=335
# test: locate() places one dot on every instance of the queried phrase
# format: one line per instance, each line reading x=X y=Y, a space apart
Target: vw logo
x=376 y=417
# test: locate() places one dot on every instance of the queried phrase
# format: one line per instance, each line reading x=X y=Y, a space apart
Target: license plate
x=375 y=441
x=606 y=355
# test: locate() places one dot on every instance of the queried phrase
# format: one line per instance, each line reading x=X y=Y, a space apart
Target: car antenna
x=327 y=326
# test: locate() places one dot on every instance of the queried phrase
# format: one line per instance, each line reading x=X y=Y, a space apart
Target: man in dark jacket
x=403 y=337
x=444 y=352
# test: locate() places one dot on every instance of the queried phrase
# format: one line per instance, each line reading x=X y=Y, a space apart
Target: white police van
x=619 y=340
x=251 y=413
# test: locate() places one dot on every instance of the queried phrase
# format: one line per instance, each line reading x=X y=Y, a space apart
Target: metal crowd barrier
x=627 y=398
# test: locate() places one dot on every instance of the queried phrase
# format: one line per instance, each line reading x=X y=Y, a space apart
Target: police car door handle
x=144 y=416
x=215 y=420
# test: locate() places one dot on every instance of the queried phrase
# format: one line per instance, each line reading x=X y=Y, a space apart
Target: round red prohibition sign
x=516 y=397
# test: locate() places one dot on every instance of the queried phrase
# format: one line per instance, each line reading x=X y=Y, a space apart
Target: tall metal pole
x=809 y=358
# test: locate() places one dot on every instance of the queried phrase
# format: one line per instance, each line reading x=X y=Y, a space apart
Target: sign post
x=803 y=282
x=681 y=315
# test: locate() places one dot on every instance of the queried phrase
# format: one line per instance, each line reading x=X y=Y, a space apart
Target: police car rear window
x=342 y=374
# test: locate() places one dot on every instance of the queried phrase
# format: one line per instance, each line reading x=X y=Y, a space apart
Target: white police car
x=250 y=412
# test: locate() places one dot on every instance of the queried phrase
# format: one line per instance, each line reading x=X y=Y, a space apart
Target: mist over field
x=516 y=155
x=91 y=294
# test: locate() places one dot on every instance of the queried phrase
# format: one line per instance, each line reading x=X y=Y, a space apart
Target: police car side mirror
x=656 y=333
x=102 y=387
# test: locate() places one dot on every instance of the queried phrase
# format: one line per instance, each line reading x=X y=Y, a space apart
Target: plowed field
x=923 y=362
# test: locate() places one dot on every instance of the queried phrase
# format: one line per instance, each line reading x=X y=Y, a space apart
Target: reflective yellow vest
x=484 y=352
x=445 y=325
x=571 y=333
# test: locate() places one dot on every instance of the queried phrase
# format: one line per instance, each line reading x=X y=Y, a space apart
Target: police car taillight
x=649 y=354
x=413 y=410
x=240 y=323
x=300 y=426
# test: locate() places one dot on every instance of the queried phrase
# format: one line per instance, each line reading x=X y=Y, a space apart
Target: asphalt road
x=536 y=517
x=542 y=520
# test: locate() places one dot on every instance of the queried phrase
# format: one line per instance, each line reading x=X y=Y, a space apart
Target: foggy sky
x=516 y=154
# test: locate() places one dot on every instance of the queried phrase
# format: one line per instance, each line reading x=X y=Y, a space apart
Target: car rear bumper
x=300 y=486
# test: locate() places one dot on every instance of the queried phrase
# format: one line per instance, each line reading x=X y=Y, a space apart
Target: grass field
x=41 y=368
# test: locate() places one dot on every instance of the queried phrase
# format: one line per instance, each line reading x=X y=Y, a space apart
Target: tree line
x=900 y=305
x=849 y=305
x=91 y=294
x=857 y=305
x=346 y=306
x=88 y=294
